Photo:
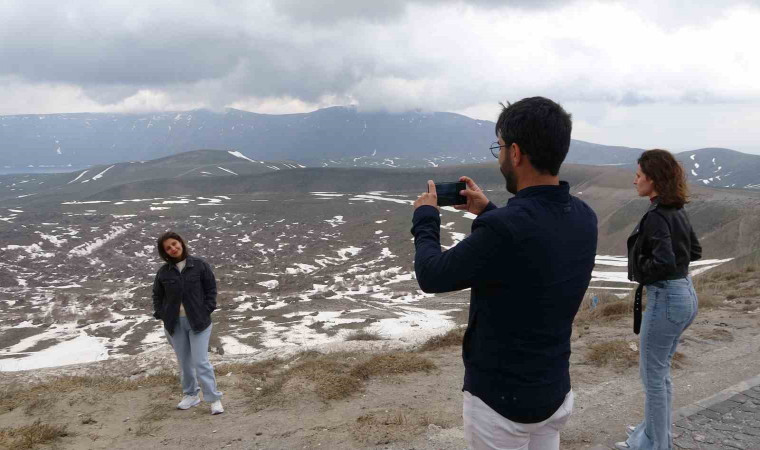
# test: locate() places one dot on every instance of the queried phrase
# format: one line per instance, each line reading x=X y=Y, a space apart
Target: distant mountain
x=195 y=166
x=721 y=167
x=340 y=134
x=331 y=137
x=716 y=167
x=582 y=152
x=724 y=219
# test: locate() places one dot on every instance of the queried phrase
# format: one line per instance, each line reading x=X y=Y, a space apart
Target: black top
x=662 y=245
x=195 y=288
x=528 y=265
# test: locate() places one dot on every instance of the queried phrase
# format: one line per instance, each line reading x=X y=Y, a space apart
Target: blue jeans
x=671 y=308
x=191 y=349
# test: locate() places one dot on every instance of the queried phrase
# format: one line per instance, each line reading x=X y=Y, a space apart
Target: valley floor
x=409 y=399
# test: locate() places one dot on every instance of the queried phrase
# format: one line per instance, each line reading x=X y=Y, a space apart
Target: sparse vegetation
x=147 y=429
x=396 y=363
x=451 y=338
x=720 y=288
x=679 y=360
x=716 y=334
x=364 y=335
x=330 y=376
x=617 y=353
x=155 y=413
x=29 y=436
x=390 y=426
x=622 y=354
x=259 y=368
x=707 y=300
x=38 y=404
x=609 y=307
x=35 y=396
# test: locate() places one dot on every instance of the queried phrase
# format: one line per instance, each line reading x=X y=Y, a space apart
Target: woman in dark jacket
x=659 y=251
x=184 y=296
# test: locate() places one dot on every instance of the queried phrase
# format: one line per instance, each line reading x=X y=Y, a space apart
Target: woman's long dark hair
x=162 y=253
x=668 y=177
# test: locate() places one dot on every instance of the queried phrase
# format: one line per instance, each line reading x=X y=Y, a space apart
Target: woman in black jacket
x=659 y=251
x=184 y=296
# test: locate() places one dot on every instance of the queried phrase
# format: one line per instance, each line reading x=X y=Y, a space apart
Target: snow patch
x=240 y=155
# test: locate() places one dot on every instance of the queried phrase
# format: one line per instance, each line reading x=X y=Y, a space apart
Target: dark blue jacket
x=195 y=288
x=528 y=265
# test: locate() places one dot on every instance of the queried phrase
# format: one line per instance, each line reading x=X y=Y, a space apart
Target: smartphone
x=448 y=193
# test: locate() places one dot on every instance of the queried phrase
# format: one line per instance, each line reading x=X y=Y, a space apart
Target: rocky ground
x=293 y=270
x=372 y=393
x=320 y=336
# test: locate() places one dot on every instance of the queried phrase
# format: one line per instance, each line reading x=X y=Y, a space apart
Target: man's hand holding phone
x=428 y=198
x=476 y=199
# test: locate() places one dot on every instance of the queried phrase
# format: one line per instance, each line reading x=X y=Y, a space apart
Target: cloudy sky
x=681 y=74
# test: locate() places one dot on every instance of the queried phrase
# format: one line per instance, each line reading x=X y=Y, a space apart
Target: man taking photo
x=528 y=265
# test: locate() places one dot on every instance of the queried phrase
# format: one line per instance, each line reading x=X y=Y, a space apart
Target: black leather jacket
x=662 y=245
x=195 y=288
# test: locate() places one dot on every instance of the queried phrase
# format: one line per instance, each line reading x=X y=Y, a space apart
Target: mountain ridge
x=330 y=137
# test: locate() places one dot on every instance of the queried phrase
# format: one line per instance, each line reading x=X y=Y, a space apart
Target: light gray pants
x=485 y=429
x=191 y=349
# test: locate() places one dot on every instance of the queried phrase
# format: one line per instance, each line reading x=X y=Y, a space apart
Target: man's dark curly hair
x=541 y=128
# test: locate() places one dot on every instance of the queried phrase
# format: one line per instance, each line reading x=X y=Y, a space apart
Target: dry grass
x=707 y=300
x=29 y=436
x=619 y=354
x=714 y=288
x=716 y=334
x=364 y=335
x=256 y=369
x=155 y=413
x=38 y=404
x=147 y=429
x=331 y=376
x=451 y=338
x=35 y=396
x=608 y=308
x=392 y=426
x=396 y=363
x=616 y=353
x=679 y=360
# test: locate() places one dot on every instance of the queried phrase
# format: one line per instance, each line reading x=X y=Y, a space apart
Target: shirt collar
x=559 y=192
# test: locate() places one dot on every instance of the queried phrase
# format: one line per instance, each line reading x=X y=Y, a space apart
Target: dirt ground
x=388 y=410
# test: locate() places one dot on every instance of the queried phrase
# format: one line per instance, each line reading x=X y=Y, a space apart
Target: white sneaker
x=188 y=401
x=630 y=429
x=216 y=408
x=622 y=445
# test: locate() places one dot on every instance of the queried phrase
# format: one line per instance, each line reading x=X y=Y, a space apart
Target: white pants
x=484 y=428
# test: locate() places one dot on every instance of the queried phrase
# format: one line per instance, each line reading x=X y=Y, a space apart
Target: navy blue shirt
x=528 y=266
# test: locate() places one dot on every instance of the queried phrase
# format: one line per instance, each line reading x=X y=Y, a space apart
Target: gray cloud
x=332 y=11
x=90 y=43
x=389 y=54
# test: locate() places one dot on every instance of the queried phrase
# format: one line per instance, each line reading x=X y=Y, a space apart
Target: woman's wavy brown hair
x=162 y=253
x=668 y=177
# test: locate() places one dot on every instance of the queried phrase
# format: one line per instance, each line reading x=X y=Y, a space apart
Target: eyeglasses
x=496 y=148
